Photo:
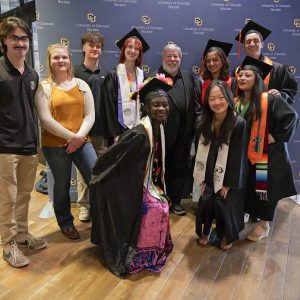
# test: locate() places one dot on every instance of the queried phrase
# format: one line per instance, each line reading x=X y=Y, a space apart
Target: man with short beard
x=179 y=129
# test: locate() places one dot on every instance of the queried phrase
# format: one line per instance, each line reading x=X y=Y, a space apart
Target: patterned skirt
x=155 y=241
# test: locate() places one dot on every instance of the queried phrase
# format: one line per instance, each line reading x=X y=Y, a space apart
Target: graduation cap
x=263 y=68
x=151 y=85
x=226 y=47
x=251 y=25
x=133 y=33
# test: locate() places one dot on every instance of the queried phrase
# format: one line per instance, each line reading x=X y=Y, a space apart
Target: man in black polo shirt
x=18 y=141
x=93 y=74
x=179 y=129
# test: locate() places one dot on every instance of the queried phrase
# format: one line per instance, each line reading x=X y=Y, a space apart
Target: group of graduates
x=240 y=126
x=130 y=136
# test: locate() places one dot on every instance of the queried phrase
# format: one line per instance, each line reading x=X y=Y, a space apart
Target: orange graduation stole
x=258 y=130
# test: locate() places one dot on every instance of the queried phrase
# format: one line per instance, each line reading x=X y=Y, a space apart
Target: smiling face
x=171 y=61
x=213 y=63
x=253 y=45
x=59 y=60
x=217 y=101
x=17 y=43
x=92 y=51
x=132 y=51
x=246 y=80
x=158 y=109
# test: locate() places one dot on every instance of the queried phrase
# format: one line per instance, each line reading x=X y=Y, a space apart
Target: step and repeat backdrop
x=187 y=23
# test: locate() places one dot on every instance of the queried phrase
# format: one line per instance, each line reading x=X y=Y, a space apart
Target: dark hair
x=258 y=88
x=207 y=116
x=224 y=72
x=138 y=62
x=93 y=38
x=8 y=25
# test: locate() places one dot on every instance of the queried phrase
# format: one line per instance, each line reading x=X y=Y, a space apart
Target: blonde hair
x=50 y=76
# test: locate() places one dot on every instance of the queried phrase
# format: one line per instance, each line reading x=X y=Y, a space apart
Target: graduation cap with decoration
x=133 y=33
x=226 y=47
x=251 y=26
x=263 y=68
x=159 y=84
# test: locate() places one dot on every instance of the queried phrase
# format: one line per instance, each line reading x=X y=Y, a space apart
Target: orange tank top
x=67 y=108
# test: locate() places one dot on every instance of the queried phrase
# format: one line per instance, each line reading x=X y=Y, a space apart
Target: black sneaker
x=178 y=209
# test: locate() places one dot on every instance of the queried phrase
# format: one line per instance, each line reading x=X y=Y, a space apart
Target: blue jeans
x=60 y=164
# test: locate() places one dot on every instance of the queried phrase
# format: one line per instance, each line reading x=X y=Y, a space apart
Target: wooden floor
x=67 y=269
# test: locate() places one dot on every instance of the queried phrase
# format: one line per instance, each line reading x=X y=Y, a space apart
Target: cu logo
x=73 y=181
x=146 y=69
x=41 y=68
x=297 y=22
x=91 y=17
x=196 y=69
x=146 y=20
x=64 y=41
x=292 y=69
x=37 y=15
x=198 y=21
x=271 y=47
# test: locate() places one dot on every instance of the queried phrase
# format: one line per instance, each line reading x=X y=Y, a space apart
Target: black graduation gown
x=109 y=106
x=117 y=178
x=282 y=80
x=283 y=120
x=228 y=212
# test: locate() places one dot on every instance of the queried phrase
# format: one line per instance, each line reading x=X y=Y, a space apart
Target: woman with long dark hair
x=215 y=66
x=131 y=212
x=118 y=112
x=219 y=167
x=271 y=123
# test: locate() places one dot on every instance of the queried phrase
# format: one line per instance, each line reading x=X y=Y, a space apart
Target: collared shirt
x=95 y=80
x=18 y=121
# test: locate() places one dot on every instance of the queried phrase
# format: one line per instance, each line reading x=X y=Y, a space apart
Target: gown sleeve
x=284 y=82
x=235 y=175
x=125 y=149
x=109 y=106
x=283 y=119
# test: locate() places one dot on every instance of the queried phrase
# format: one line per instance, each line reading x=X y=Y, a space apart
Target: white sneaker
x=14 y=256
x=84 y=214
x=32 y=243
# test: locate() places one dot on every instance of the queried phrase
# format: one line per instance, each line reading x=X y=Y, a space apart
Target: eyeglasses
x=16 y=38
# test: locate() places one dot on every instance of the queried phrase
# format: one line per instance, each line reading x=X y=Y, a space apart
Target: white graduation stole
x=129 y=109
x=148 y=184
x=200 y=168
